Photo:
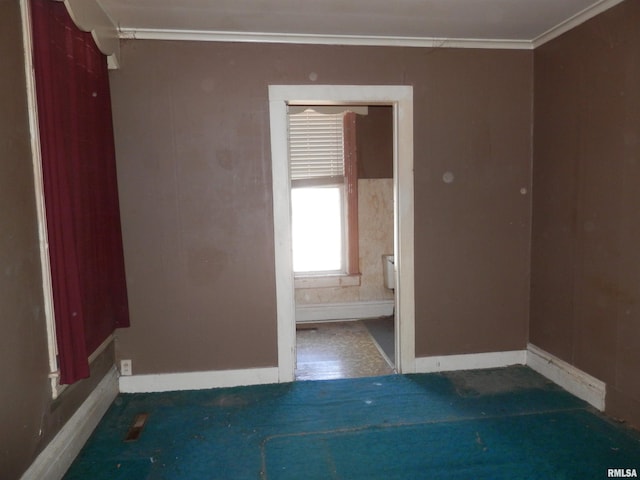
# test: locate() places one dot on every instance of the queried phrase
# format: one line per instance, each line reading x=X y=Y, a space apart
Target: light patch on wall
x=448 y=177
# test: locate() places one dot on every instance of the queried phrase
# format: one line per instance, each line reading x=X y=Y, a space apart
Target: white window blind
x=316 y=145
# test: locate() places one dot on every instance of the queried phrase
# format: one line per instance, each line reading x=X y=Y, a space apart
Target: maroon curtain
x=80 y=187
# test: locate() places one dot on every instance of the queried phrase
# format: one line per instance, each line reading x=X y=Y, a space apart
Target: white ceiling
x=501 y=20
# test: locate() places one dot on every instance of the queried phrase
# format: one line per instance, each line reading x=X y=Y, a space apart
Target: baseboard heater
x=323 y=312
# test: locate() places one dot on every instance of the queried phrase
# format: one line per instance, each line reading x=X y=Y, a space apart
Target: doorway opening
x=400 y=99
x=341 y=171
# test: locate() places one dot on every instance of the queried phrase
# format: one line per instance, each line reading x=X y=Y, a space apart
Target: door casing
x=400 y=97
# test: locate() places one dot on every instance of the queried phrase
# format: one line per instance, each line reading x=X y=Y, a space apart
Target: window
x=317 y=229
x=323 y=192
x=87 y=277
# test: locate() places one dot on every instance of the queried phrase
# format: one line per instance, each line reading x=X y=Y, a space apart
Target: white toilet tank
x=389 y=271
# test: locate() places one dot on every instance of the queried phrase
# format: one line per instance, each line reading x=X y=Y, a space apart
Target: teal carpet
x=491 y=424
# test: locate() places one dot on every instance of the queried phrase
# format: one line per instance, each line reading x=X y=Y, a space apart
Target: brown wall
x=586 y=220
x=192 y=141
x=29 y=419
x=374 y=139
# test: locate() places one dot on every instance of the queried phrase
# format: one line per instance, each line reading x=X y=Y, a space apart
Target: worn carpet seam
x=385 y=426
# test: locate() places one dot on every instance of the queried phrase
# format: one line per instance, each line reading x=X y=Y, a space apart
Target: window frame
x=350 y=274
x=332 y=183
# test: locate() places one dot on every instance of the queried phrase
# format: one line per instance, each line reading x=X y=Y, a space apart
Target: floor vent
x=136 y=427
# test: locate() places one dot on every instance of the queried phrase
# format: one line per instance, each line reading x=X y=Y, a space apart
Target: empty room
x=447 y=287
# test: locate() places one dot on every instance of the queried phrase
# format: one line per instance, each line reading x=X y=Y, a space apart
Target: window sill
x=326 y=281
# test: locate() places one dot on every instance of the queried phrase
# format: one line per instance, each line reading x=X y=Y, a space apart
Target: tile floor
x=338 y=350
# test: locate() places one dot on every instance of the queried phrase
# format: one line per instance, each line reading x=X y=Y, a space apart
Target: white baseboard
x=572 y=379
x=470 y=361
x=168 y=382
x=343 y=311
x=57 y=457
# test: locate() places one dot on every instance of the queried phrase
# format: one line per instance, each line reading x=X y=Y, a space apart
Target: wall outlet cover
x=126 y=367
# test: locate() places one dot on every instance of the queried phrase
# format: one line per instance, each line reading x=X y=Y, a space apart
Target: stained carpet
x=494 y=424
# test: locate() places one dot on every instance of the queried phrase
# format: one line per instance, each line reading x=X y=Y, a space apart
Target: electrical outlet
x=125 y=368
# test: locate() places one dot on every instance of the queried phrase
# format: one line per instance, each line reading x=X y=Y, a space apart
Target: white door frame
x=401 y=99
